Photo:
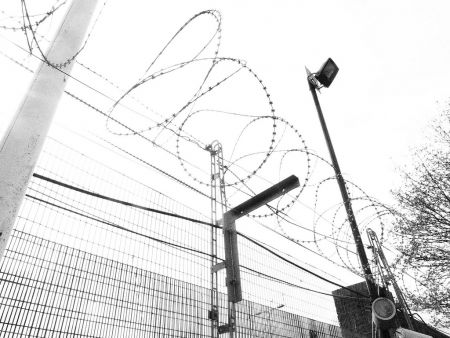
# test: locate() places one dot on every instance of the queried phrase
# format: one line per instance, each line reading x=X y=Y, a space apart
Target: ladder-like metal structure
x=218 y=209
x=386 y=275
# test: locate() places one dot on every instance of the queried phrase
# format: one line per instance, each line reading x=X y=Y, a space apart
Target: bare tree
x=424 y=225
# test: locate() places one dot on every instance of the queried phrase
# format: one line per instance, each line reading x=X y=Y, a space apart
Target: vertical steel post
x=232 y=259
x=23 y=141
x=347 y=203
x=233 y=279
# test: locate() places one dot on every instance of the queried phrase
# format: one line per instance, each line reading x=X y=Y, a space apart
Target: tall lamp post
x=323 y=78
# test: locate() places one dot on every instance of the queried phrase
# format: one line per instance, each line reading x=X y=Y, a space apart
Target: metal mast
x=387 y=276
x=218 y=209
x=313 y=86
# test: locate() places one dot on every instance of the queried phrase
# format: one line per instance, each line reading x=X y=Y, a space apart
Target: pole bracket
x=218 y=266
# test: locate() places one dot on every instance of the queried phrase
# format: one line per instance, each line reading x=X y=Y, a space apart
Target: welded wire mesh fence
x=81 y=264
x=49 y=289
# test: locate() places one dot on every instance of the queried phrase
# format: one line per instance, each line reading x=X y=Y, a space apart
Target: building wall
x=354 y=313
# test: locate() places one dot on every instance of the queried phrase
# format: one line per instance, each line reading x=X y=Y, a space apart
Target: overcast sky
x=392 y=56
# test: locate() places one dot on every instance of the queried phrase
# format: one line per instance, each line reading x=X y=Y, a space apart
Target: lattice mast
x=218 y=209
x=386 y=275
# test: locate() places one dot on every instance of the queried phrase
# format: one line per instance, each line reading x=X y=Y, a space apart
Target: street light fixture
x=327 y=73
x=323 y=78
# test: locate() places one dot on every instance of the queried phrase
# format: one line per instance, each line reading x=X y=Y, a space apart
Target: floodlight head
x=327 y=73
x=383 y=313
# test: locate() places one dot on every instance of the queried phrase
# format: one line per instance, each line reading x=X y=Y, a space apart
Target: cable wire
x=94 y=194
x=185 y=248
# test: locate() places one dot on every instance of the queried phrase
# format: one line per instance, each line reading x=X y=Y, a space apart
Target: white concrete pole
x=23 y=141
